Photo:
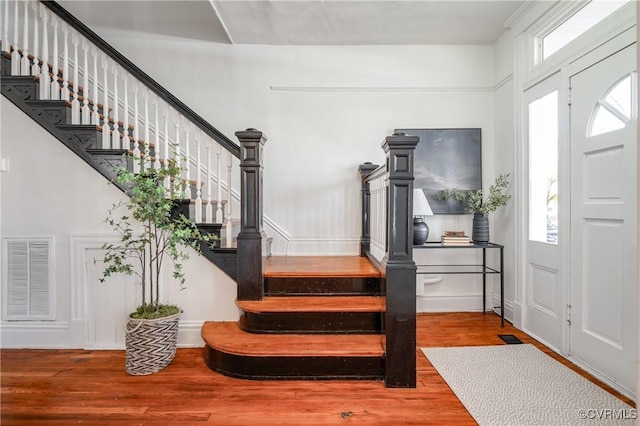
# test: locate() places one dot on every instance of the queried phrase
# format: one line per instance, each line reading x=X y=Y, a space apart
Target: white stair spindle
x=187 y=166
x=176 y=157
x=75 y=103
x=147 y=143
x=219 y=217
x=228 y=225
x=25 y=64
x=126 y=142
x=167 y=157
x=156 y=139
x=208 y=211
x=136 y=144
x=45 y=82
x=5 y=26
x=115 y=134
x=15 y=56
x=198 y=215
x=35 y=67
x=106 y=130
x=86 y=114
x=95 y=114
x=64 y=94
x=54 y=91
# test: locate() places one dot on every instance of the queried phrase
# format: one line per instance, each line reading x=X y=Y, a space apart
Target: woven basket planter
x=150 y=344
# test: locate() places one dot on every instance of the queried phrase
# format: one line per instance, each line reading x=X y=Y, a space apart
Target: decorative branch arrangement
x=159 y=234
x=474 y=198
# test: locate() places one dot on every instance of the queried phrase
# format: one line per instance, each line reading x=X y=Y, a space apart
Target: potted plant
x=150 y=233
x=479 y=206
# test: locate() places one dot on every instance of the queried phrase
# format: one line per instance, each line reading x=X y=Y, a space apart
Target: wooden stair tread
x=228 y=338
x=314 y=304
x=320 y=266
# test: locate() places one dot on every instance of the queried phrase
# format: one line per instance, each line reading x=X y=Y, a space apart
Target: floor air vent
x=510 y=339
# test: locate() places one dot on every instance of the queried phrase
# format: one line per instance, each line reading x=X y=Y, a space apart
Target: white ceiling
x=306 y=22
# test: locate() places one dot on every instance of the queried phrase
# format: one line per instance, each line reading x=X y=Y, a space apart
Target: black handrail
x=200 y=122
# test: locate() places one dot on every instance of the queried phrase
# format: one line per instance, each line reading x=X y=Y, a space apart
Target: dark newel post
x=400 y=279
x=365 y=171
x=250 y=239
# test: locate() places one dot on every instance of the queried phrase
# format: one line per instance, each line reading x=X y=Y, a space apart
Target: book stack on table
x=455 y=238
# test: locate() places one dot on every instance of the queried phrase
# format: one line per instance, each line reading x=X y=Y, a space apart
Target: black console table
x=468 y=269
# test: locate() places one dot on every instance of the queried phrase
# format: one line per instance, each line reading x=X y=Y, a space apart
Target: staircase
x=321 y=318
x=84 y=140
x=301 y=318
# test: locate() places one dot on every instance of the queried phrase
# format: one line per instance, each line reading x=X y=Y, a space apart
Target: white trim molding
x=369 y=89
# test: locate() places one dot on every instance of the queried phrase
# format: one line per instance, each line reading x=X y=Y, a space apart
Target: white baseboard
x=508 y=307
x=452 y=303
x=72 y=335
x=517 y=315
x=78 y=334
x=34 y=335
x=189 y=334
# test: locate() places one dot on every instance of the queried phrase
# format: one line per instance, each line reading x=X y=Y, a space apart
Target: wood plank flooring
x=65 y=387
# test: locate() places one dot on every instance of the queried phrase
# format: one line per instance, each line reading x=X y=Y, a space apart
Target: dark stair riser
x=311 y=322
x=339 y=286
x=295 y=368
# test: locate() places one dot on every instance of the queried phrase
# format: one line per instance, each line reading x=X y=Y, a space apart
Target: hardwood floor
x=65 y=387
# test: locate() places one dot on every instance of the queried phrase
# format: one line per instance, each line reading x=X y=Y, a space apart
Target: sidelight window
x=543 y=169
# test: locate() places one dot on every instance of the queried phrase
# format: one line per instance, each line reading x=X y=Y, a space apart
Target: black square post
x=400 y=275
x=250 y=239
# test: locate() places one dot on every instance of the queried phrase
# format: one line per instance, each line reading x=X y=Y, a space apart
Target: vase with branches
x=150 y=233
x=480 y=206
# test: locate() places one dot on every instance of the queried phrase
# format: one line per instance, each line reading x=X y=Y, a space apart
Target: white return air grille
x=27 y=283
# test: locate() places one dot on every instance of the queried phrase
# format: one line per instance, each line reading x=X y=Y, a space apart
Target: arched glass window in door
x=616 y=107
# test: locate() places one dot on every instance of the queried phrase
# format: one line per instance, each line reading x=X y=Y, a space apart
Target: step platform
x=322 y=318
x=320 y=275
x=235 y=353
x=313 y=314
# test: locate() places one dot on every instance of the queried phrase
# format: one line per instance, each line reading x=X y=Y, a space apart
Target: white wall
x=50 y=192
x=325 y=109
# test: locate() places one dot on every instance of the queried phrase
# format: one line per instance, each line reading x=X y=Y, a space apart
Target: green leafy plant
x=149 y=234
x=475 y=201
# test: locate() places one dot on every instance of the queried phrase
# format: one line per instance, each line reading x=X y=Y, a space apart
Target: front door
x=604 y=218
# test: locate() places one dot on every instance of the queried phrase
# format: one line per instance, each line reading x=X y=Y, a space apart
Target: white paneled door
x=543 y=304
x=604 y=217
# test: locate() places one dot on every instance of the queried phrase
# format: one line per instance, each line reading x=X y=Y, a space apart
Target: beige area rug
x=520 y=385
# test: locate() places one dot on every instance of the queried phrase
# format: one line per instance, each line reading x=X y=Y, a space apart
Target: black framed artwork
x=447 y=159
